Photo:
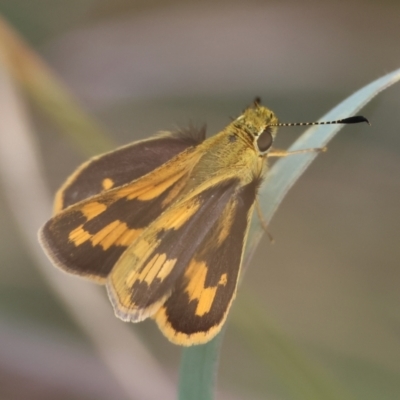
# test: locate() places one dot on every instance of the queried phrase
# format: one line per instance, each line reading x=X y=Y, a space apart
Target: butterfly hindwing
x=89 y=237
x=198 y=306
x=186 y=264
x=124 y=165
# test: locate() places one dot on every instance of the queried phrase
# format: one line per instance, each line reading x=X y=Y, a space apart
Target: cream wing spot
x=223 y=280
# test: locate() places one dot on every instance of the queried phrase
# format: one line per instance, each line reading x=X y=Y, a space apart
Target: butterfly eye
x=264 y=141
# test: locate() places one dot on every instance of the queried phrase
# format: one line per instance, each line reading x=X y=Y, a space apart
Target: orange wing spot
x=126 y=269
x=196 y=274
x=93 y=209
x=175 y=191
x=107 y=183
x=79 y=236
x=176 y=219
x=131 y=191
x=127 y=238
x=196 y=290
x=143 y=247
x=148 y=189
x=155 y=191
x=206 y=301
x=150 y=270
x=228 y=219
x=166 y=269
x=158 y=267
x=114 y=234
x=107 y=236
x=130 y=279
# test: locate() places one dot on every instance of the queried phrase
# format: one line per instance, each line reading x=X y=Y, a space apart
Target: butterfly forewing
x=124 y=165
x=89 y=237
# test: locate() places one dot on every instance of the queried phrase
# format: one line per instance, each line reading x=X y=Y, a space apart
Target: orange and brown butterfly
x=163 y=222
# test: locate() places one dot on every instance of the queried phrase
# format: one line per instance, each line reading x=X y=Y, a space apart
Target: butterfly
x=162 y=222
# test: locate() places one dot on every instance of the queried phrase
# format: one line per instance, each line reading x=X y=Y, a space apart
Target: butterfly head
x=256 y=122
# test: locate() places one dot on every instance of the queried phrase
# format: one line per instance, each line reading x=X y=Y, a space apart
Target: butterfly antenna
x=351 y=120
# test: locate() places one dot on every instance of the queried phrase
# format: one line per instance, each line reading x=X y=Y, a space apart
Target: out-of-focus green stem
x=49 y=94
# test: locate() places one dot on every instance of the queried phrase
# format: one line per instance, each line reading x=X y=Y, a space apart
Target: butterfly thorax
x=234 y=152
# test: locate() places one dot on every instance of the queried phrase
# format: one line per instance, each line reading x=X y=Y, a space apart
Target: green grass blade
x=198 y=383
x=199 y=363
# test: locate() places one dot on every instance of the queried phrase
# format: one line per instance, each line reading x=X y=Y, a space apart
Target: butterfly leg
x=285 y=153
x=263 y=222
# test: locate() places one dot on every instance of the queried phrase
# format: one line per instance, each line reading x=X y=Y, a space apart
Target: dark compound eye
x=264 y=141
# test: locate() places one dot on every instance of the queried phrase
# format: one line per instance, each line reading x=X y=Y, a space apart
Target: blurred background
x=328 y=287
